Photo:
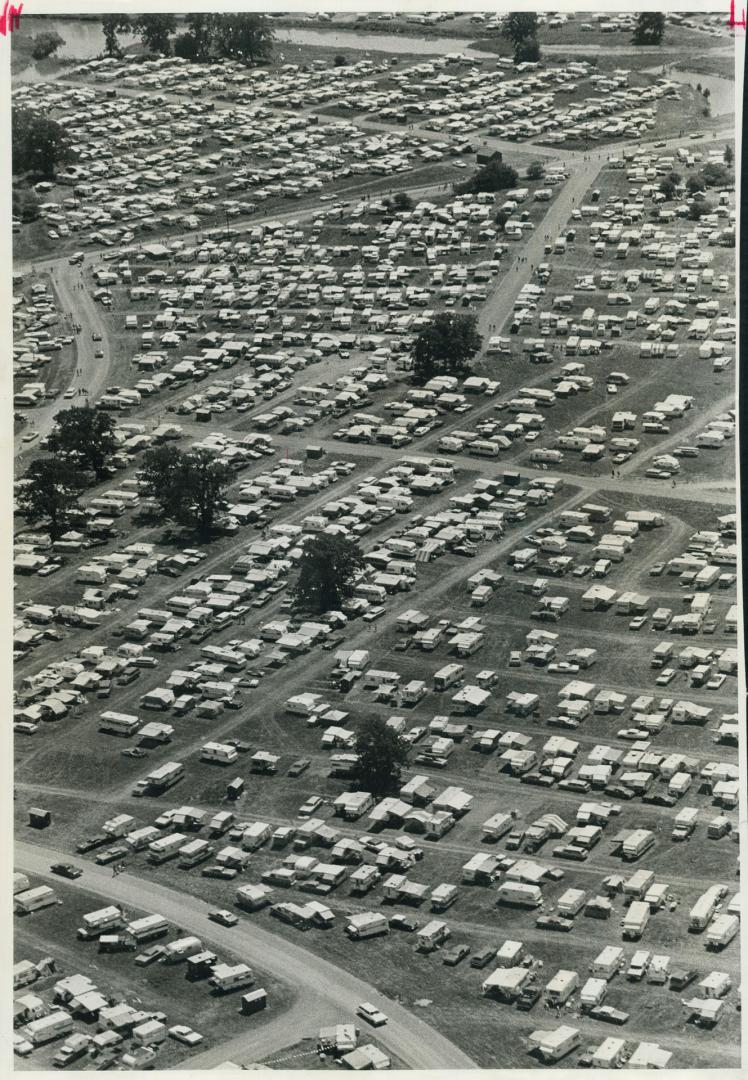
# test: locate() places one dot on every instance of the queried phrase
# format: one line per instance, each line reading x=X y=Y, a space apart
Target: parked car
x=529 y=996
x=452 y=957
x=299 y=767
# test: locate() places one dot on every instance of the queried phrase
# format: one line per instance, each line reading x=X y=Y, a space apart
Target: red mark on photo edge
x=732 y=22
x=10 y=18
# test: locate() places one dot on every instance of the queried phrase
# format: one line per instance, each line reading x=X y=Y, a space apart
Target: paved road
x=326 y=994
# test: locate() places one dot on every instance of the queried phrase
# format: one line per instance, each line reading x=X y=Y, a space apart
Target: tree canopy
x=445 y=346
x=84 y=437
x=111 y=26
x=45 y=45
x=49 y=493
x=649 y=29
x=495 y=175
x=527 y=51
x=670 y=184
x=535 y=170
x=40 y=145
x=155 y=31
x=382 y=753
x=246 y=37
x=327 y=571
x=519 y=25
x=189 y=486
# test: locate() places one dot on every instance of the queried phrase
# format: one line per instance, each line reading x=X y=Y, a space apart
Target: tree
x=340 y=60
x=501 y=219
x=535 y=170
x=39 y=144
x=84 y=438
x=714 y=174
x=495 y=175
x=382 y=753
x=49 y=492
x=669 y=185
x=445 y=346
x=26 y=204
x=402 y=202
x=45 y=45
x=729 y=155
x=111 y=25
x=649 y=29
x=201 y=28
x=518 y=26
x=698 y=208
x=527 y=51
x=189 y=486
x=695 y=183
x=327 y=570
x=154 y=31
x=243 y=36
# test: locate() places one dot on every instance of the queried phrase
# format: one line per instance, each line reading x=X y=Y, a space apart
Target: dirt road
x=326 y=994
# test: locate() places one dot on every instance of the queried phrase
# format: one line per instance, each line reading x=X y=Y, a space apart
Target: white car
x=185 y=1034
x=371 y=1014
x=310 y=806
x=715 y=682
x=21 y=1046
x=25 y=727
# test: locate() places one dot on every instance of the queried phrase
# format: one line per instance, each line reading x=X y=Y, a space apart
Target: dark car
x=659 y=798
x=134 y=751
x=403 y=922
x=528 y=998
x=299 y=767
x=619 y=791
x=681 y=978
x=608 y=1014
x=483 y=957
x=65 y=869
x=91 y=842
x=452 y=957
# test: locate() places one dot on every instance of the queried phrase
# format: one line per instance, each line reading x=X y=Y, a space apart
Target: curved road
x=326 y=993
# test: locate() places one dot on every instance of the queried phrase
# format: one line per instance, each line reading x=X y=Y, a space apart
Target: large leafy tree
x=244 y=36
x=39 y=144
x=382 y=753
x=495 y=175
x=189 y=486
x=155 y=31
x=519 y=25
x=45 y=45
x=527 y=51
x=445 y=346
x=327 y=571
x=84 y=437
x=649 y=29
x=111 y=25
x=49 y=492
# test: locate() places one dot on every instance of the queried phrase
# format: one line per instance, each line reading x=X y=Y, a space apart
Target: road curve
x=326 y=994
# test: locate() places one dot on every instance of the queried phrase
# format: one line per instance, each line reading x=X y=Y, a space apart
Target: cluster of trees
x=521 y=28
x=649 y=29
x=189 y=486
x=246 y=37
x=445 y=346
x=495 y=175
x=81 y=444
x=25 y=203
x=39 y=144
